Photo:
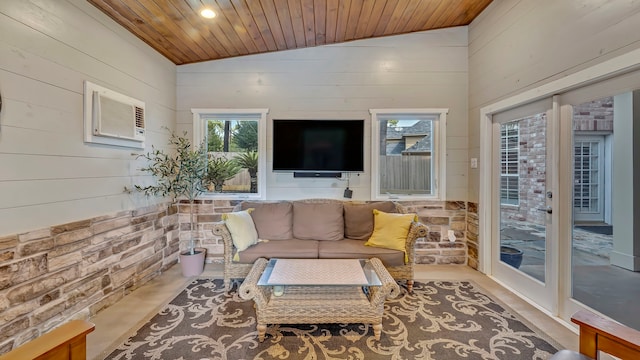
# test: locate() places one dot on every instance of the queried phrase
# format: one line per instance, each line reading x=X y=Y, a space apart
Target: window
x=509 y=155
x=408 y=153
x=236 y=147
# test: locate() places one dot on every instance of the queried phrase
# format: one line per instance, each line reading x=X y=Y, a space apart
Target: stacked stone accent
x=473 y=231
x=439 y=216
x=73 y=271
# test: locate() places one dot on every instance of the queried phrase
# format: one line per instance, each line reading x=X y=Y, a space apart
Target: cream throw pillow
x=390 y=231
x=242 y=229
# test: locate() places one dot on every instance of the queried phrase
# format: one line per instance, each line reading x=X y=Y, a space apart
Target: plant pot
x=193 y=265
x=511 y=256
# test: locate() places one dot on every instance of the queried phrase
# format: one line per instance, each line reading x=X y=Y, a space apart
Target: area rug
x=440 y=320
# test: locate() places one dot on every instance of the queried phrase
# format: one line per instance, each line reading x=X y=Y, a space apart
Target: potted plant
x=180 y=174
x=511 y=255
x=249 y=161
x=220 y=170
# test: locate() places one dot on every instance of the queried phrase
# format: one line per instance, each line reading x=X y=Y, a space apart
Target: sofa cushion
x=358 y=218
x=355 y=249
x=390 y=231
x=284 y=249
x=273 y=220
x=243 y=231
x=318 y=220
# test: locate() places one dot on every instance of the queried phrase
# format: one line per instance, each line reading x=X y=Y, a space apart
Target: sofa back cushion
x=318 y=220
x=273 y=220
x=358 y=218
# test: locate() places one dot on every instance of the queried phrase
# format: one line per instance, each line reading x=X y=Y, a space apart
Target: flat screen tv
x=318 y=145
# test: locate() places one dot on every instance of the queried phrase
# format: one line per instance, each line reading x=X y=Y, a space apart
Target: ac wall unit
x=112 y=118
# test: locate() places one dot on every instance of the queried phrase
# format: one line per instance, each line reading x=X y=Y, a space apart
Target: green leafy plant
x=178 y=174
x=249 y=161
x=220 y=170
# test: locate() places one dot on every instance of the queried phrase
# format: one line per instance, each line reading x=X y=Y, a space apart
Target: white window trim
x=199 y=133
x=439 y=146
x=517 y=174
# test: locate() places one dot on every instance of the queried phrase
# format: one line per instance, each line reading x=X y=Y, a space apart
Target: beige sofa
x=318 y=228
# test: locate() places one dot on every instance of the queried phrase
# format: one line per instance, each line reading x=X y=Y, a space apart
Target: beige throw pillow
x=358 y=218
x=243 y=231
x=274 y=220
x=318 y=221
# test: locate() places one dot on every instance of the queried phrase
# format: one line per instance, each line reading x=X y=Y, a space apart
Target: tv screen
x=318 y=145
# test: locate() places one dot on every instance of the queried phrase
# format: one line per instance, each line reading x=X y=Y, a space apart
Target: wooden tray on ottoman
x=333 y=301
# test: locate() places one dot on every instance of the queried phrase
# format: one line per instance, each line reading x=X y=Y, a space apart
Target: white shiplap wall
x=517 y=45
x=419 y=70
x=48 y=175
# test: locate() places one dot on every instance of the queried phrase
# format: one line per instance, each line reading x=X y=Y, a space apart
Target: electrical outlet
x=452 y=235
x=474 y=163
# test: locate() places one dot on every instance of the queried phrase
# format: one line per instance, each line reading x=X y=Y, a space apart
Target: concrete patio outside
x=608 y=289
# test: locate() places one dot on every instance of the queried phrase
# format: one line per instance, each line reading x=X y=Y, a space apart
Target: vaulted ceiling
x=176 y=29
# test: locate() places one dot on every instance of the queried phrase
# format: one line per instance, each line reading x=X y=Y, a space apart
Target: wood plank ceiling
x=242 y=27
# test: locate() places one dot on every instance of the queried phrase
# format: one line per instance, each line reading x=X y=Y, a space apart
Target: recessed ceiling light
x=208 y=13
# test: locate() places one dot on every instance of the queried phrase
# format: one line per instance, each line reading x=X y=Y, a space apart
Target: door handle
x=548 y=209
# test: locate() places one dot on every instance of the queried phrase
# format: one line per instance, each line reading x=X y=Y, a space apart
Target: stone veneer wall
x=439 y=216
x=473 y=230
x=72 y=271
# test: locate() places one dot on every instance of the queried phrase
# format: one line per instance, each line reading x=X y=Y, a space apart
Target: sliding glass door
x=603 y=271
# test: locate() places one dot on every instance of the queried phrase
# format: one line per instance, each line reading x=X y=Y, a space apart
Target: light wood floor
x=114 y=324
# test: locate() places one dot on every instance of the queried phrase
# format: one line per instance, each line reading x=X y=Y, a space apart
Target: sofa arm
x=250 y=289
x=416 y=231
x=220 y=229
x=389 y=288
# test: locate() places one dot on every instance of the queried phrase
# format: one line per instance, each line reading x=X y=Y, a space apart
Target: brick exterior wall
x=595 y=115
x=531 y=171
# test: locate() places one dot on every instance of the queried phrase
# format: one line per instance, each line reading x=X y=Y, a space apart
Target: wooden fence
x=405 y=174
x=239 y=183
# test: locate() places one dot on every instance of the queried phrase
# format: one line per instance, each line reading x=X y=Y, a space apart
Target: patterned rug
x=440 y=320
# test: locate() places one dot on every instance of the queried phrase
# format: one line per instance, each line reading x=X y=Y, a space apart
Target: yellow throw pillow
x=390 y=230
x=242 y=229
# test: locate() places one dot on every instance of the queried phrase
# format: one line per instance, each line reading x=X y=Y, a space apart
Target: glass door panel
x=522 y=200
x=603 y=180
x=522 y=195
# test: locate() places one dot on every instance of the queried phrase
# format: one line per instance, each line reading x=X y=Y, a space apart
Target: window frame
x=439 y=146
x=260 y=115
x=505 y=163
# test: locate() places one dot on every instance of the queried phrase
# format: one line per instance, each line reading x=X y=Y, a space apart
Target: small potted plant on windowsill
x=180 y=175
